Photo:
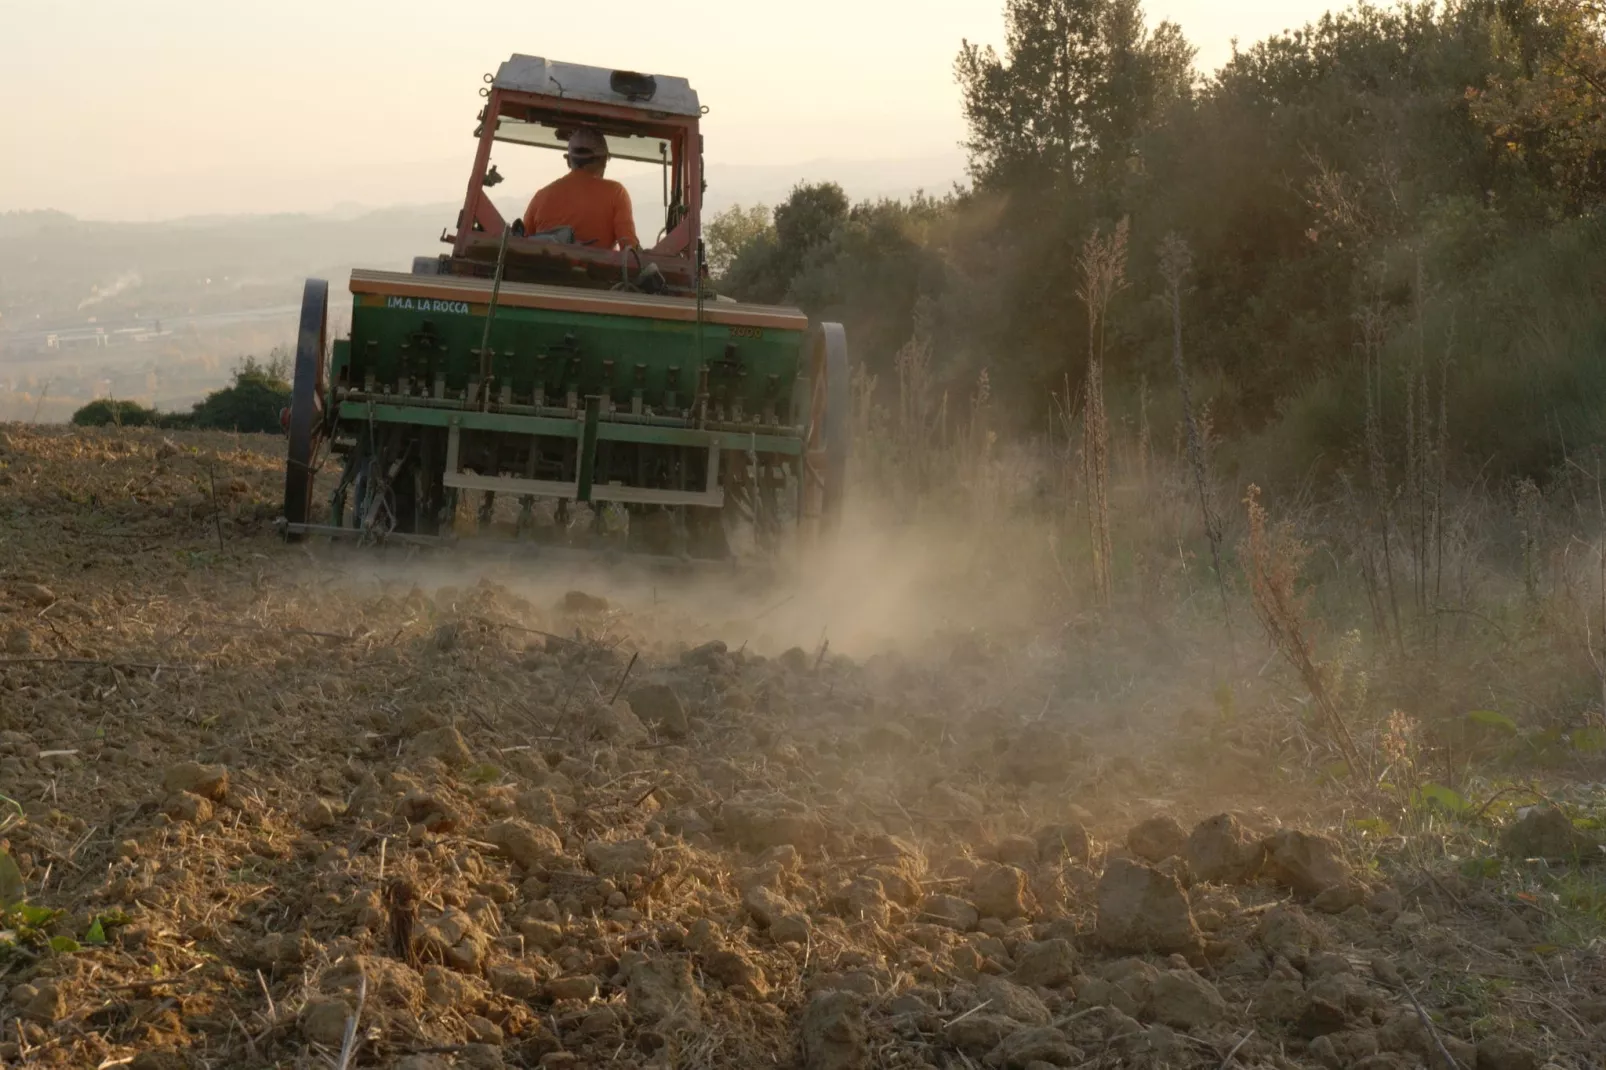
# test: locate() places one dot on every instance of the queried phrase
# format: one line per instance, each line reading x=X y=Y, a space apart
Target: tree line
x=1387 y=209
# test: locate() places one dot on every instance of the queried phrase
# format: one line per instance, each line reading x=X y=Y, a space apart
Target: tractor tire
x=305 y=420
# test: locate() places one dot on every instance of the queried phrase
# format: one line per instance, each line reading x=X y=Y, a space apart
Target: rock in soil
x=208 y=781
x=524 y=844
x=1141 y=909
x=452 y=939
x=1018 y=851
x=758 y=823
x=1025 y=1048
x=661 y=991
x=1157 y=839
x=949 y=912
x=658 y=705
x=1221 y=851
x=323 y=1021
x=1000 y=892
x=1183 y=999
x=1012 y=1001
x=1063 y=843
x=1041 y=754
x=1502 y=1053
x=1048 y=964
x=979 y=1033
x=1549 y=834
x=1340 y=1051
x=631 y=858
x=1308 y=863
x=834 y=1033
x=445 y=745
x=583 y=987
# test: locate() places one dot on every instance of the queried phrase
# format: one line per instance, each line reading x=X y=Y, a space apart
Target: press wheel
x=305 y=419
x=825 y=450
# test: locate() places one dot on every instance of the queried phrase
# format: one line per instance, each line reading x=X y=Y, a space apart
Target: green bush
x=109 y=412
x=251 y=403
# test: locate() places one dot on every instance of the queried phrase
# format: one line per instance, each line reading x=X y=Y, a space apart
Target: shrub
x=252 y=402
x=109 y=412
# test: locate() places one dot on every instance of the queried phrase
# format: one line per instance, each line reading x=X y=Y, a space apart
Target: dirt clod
x=1043 y=1044
x=1308 y=863
x=1547 y=833
x=528 y=846
x=1220 y=850
x=1157 y=839
x=662 y=991
x=1503 y=1053
x=1183 y=999
x=1141 y=909
x=1012 y=1001
x=444 y=744
x=834 y=1033
x=659 y=705
x=1048 y=964
x=208 y=781
x=450 y=938
x=949 y=912
x=581 y=988
x=632 y=858
x=758 y=823
x=1000 y=892
x=323 y=1021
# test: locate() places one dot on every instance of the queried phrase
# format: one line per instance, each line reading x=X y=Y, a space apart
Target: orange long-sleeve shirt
x=597 y=208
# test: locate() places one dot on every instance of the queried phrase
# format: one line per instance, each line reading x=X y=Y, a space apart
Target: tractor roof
x=575 y=81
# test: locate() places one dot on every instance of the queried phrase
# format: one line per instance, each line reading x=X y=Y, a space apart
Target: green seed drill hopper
x=574 y=384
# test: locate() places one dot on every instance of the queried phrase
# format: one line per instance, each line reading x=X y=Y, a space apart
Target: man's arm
x=624 y=222
x=531 y=212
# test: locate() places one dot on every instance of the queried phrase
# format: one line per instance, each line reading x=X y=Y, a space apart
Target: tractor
x=606 y=396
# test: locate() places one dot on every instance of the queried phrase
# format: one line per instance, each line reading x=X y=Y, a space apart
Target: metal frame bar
x=713 y=497
x=559 y=427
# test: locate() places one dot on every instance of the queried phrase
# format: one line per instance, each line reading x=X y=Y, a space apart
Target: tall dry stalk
x=1441 y=454
x=922 y=411
x=1175 y=262
x=1103 y=264
x=1273 y=561
x=1424 y=475
x=1374 y=329
x=1144 y=445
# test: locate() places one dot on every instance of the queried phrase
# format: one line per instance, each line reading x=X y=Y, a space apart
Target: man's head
x=588 y=150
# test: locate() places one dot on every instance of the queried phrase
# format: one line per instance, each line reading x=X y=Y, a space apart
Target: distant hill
x=57 y=271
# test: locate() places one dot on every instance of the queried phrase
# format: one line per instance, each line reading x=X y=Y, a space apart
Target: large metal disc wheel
x=305 y=420
x=825 y=452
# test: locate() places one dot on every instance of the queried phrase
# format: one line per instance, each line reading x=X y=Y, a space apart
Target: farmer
x=597 y=209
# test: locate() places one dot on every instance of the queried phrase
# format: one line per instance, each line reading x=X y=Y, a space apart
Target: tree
x=251 y=403
x=1078 y=84
x=764 y=268
x=1550 y=111
x=733 y=230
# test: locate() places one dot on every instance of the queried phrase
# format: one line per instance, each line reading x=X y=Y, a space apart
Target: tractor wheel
x=825 y=451
x=305 y=418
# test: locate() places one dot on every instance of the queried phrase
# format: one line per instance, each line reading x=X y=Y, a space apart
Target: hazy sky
x=112 y=109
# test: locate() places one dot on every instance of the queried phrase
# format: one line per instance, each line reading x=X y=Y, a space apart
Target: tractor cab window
x=620 y=146
x=643 y=163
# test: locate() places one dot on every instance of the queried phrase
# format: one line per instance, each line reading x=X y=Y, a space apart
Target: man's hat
x=586 y=144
